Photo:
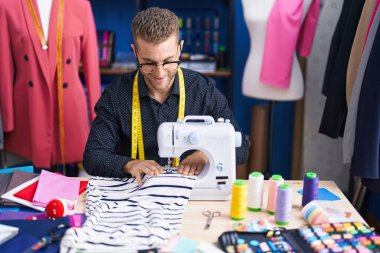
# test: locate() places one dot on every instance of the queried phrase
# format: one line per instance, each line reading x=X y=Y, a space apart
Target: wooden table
x=194 y=222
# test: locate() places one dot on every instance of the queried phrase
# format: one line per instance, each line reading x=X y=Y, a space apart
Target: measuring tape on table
x=137 y=141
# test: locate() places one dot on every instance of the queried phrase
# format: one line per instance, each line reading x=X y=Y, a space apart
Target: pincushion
x=56 y=208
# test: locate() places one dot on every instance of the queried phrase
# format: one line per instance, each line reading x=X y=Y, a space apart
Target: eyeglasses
x=149 y=68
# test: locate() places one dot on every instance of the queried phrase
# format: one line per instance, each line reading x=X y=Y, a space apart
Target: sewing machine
x=216 y=139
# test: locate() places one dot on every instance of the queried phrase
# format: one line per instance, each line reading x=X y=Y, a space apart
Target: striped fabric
x=122 y=217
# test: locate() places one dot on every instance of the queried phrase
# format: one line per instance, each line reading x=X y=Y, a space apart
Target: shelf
x=110 y=71
x=219 y=73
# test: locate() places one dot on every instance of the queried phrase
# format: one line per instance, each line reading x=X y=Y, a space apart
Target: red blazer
x=28 y=82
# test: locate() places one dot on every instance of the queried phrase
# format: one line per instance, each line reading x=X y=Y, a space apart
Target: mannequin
x=256 y=13
x=29 y=92
x=44 y=7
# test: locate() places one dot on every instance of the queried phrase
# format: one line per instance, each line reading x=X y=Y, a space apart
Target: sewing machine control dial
x=194 y=138
x=220 y=120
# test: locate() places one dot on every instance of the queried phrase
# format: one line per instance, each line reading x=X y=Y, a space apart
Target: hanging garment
x=373 y=16
x=284 y=29
x=319 y=152
x=365 y=161
x=28 y=90
x=122 y=217
x=350 y=128
x=335 y=44
x=358 y=45
x=334 y=113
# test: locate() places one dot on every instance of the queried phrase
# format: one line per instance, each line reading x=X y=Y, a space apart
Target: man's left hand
x=193 y=164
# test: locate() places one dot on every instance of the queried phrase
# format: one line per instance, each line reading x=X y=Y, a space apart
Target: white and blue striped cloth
x=122 y=217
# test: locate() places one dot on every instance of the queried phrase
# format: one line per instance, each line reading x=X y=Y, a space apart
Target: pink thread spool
x=284 y=205
x=274 y=182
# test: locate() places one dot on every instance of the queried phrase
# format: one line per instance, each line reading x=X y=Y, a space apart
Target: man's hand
x=193 y=164
x=138 y=167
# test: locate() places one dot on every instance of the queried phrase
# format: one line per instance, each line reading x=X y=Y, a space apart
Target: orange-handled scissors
x=54 y=235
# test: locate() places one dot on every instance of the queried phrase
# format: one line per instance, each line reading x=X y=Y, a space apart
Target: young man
x=159 y=88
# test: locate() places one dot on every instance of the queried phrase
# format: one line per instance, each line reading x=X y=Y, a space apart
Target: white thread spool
x=255 y=191
x=274 y=182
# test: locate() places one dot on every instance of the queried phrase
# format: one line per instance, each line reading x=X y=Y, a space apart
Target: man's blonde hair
x=155 y=25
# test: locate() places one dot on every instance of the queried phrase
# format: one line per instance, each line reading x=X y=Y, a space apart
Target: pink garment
x=370 y=23
x=28 y=83
x=285 y=32
x=52 y=186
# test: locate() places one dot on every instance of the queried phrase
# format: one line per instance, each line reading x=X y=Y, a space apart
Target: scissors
x=210 y=215
x=55 y=234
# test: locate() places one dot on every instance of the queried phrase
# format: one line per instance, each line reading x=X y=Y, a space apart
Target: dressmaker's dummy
x=29 y=91
x=256 y=14
x=44 y=7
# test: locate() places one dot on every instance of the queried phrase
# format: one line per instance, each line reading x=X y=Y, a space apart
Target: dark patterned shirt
x=108 y=147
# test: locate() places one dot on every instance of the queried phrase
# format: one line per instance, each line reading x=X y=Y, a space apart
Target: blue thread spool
x=284 y=204
x=310 y=188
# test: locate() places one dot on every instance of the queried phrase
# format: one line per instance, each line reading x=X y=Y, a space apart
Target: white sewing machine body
x=216 y=139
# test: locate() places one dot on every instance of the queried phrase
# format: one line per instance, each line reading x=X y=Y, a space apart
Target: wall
x=115 y=15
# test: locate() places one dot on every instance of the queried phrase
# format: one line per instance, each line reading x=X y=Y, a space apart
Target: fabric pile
x=123 y=217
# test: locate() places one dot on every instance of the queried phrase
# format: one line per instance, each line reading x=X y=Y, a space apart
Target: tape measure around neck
x=181 y=106
x=137 y=135
x=137 y=142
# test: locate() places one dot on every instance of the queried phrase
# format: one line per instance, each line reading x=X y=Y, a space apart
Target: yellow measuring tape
x=44 y=46
x=137 y=142
x=59 y=80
